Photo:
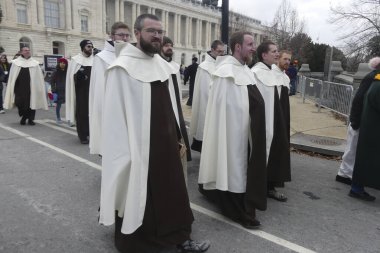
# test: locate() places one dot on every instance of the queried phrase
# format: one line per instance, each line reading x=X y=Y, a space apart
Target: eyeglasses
x=153 y=31
x=126 y=35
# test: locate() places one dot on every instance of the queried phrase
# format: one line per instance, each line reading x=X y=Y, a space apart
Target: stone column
x=137 y=10
x=153 y=11
x=133 y=15
x=68 y=15
x=167 y=22
x=40 y=6
x=188 y=31
x=117 y=10
x=197 y=33
x=176 y=37
x=104 y=18
x=149 y=10
x=208 y=35
x=122 y=18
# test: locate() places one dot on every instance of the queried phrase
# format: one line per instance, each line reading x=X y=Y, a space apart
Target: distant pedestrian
x=26 y=87
x=190 y=73
x=292 y=73
x=58 y=86
x=348 y=159
x=5 y=67
x=367 y=163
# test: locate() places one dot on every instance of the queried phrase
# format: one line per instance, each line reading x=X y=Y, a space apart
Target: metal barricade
x=312 y=89
x=336 y=97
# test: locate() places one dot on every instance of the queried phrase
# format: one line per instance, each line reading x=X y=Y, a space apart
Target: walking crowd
x=125 y=102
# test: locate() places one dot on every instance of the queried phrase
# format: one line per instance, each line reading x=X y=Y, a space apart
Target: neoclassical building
x=57 y=26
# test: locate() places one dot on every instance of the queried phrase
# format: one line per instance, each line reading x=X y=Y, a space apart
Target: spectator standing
x=189 y=75
x=5 y=67
x=292 y=74
x=367 y=163
x=348 y=160
x=58 y=86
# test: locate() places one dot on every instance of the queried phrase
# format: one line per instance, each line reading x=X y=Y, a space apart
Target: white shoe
x=2 y=111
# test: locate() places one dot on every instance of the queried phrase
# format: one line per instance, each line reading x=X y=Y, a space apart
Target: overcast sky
x=315 y=13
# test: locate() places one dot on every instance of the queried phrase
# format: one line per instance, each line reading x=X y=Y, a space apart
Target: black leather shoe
x=23 y=121
x=84 y=142
x=361 y=195
x=31 y=122
x=254 y=224
x=344 y=180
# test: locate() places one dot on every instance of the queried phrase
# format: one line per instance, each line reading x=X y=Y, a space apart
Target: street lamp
x=225 y=16
x=199 y=55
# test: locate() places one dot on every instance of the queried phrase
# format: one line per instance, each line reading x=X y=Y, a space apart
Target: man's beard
x=168 y=53
x=149 y=48
x=88 y=53
x=284 y=66
x=248 y=59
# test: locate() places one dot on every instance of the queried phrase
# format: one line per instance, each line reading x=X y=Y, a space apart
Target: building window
x=58 y=48
x=51 y=14
x=25 y=42
x=22 y=14
x=84 y=23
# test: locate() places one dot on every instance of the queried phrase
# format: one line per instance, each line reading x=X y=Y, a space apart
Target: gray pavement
x=49 y=201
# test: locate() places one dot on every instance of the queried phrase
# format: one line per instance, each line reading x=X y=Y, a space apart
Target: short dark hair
x=263 y=48
x=139 y=23
x=167 y=40
x=216 y=43
x=237 y=38
x=119 y=25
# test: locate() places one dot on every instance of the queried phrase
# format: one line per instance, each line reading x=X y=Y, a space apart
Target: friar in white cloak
x=26 y=87
x=143 y=187
x=232 y=170
x=77 y=90
x=275 y=90
x=201 y=90
x=174 y=88
x=120 y=32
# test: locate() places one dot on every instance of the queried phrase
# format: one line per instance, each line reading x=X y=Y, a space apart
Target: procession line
x=258 y=233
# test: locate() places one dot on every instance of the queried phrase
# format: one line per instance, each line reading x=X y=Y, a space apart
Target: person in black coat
x=4 y=74
x=190 y=73
x=58 y=86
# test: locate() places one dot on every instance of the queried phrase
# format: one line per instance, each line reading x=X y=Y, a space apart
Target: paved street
x=49 y=195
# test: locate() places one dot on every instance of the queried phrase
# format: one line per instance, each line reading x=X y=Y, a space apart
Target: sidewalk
x=310 y=130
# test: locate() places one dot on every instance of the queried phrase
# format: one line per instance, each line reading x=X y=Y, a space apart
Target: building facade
x=57 y=26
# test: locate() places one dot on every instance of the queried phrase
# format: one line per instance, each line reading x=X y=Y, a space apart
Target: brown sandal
x=277 y=196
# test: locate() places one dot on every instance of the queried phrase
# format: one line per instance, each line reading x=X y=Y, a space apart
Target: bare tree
x=286 y=24
x=360 y=22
